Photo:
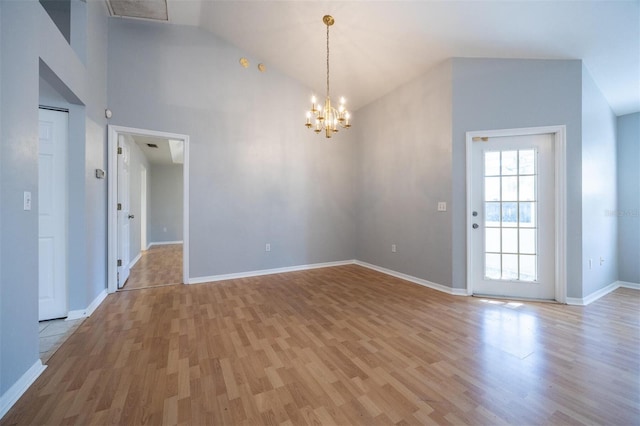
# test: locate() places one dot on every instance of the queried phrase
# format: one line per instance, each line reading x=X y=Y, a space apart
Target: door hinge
x=119 y=206
x=119 y=262
x=119 y=150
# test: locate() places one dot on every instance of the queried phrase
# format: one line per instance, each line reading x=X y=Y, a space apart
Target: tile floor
x=53 y=333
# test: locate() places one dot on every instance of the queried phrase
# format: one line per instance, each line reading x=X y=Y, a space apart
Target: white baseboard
x=213 y=278
x=420 y=281
x=627 y=284
x=163 y=243
x=82 y=313
x=135 y=260
x=584 y=301
x=14 y=393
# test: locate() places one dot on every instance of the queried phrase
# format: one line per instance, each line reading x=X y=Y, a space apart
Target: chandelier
x=327 y=117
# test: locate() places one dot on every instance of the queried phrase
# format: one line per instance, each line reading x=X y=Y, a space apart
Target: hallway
x=158 y=266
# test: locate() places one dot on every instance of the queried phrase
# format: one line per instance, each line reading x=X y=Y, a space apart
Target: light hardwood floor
x=160 y=265
x=344 y=346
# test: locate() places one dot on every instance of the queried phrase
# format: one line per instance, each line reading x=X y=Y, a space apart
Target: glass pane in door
x=510 y=226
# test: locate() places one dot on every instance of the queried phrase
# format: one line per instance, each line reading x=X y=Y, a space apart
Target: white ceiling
x=378 y=45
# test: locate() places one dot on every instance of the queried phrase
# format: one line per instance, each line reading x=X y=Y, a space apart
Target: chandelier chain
x=327 y=61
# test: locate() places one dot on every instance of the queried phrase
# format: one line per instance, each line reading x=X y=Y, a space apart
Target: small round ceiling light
x=244 y=62
x=262 y=67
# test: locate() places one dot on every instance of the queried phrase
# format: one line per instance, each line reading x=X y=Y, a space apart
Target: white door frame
x=143 y=208
x=112 y=180
x=560 y=160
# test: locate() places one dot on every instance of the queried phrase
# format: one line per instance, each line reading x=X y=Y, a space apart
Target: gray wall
x=513 y=93
x=136 y=163
x=257 y=175
x=32 y=47
x=165 y=203
x=628 y=211
x=404 y=169
x=60 y=13
x=599 y=183
x=96 y=149
x=18 y=142
x=2 y=319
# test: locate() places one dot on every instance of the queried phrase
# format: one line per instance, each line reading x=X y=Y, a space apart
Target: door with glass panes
x=513 y=214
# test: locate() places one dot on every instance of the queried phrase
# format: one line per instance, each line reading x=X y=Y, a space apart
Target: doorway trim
x=560 y=198
x=112 y=196
x=143 y=208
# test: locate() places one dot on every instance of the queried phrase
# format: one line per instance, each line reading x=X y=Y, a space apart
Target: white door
x=513 y=217
x=52 y=214
x=123 y=211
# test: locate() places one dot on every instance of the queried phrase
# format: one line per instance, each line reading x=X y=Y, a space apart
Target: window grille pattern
x=510 y=214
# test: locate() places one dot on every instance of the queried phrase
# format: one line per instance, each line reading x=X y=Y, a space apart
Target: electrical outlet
x=442 y=206
x=393 y=248
x=267 y=247
x=601 y=260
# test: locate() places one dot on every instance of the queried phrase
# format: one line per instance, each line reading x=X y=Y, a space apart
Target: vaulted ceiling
x=377 y=46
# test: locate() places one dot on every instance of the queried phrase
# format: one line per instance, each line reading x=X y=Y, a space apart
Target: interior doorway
x=156 y=168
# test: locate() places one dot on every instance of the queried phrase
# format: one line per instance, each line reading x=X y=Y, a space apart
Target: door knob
x=131 y=216
x=474 y=214
x=474 y=226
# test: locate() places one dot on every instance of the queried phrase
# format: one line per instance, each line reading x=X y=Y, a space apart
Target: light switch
x=442 y=206
x=27 y=200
